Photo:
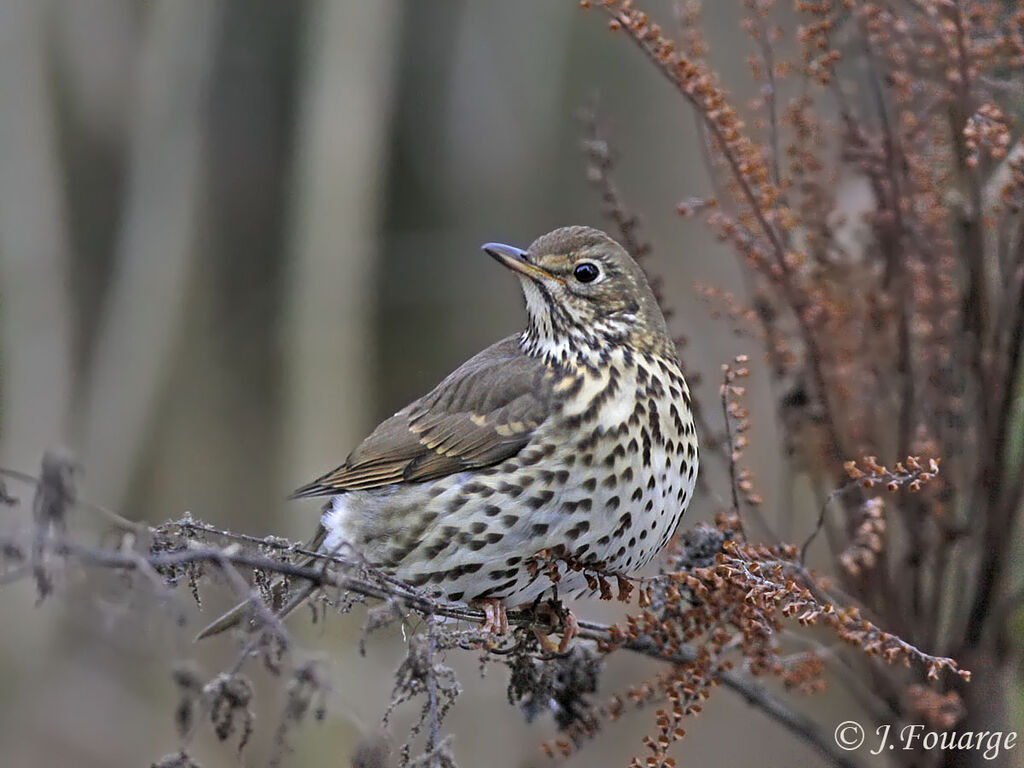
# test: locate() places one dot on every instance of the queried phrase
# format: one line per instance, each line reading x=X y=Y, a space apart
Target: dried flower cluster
x=873 y=191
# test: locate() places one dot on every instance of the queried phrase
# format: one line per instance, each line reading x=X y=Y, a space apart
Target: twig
x=731 y=453
x=754 y=694
x=429 y=607
x=821 y=519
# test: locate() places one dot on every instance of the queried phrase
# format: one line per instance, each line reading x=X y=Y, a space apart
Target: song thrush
x=574 y=437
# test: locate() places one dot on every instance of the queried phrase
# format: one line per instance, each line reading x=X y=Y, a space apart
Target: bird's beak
x=515 y=259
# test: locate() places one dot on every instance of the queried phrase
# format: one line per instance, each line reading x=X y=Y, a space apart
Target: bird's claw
x=569 y=626
x=495 y=617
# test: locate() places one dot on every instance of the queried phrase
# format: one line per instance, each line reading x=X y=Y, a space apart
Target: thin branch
x=415 y=600
x=754 y=694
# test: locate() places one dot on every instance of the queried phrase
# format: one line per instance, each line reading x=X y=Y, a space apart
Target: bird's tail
x=279 y=596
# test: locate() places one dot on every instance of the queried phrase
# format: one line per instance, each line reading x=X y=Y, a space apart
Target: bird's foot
x=495 y=616
x=559 y=615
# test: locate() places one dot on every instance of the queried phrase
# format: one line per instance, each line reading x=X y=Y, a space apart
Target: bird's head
x=583 y=292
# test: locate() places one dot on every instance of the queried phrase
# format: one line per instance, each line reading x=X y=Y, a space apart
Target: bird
x=574 y=437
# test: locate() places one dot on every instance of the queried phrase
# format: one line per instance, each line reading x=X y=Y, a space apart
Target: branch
x=381 y=587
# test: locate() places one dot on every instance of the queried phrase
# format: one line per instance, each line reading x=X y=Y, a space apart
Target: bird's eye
x=586 y=272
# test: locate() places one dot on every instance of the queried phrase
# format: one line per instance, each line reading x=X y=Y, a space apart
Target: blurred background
x=234 y=234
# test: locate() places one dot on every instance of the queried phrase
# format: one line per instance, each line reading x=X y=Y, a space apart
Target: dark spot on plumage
x=649 y=506
x=610 y=482
x=633 y=446
x=577 y=530
x=573 y=389
x=654 y=523
x=548 y=449
x=448 y=531
x=562 y=476
x=681 y=495
x=581 y=549
x=495 y=589
x=512 y=492
x=491 y=510
x=514 y=560
x=509 y=520
x=477 y=544
x=620 y=551
x=655 y=422
x=609 y=460
x=494 y=538
x=545 y=476
x=456 y=596
x=539 y=499
x=438 y=576
x=434 y=550
x=632 y=541
x=436 y=491
x=627 y=474
x=539 y=529
x=473 y=487
x=456 y=503
x=651 y=482
x=587 y=459
x=478 y=527
x=463 y=537
x=569 y=506
x=604 y=540
x=638 y=494
x=569 y=460
x=419 y=579
x=589 y=484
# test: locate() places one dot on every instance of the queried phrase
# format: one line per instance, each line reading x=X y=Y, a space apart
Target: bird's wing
x=483 y=413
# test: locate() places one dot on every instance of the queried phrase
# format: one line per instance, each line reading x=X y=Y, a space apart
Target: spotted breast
x=575 y=436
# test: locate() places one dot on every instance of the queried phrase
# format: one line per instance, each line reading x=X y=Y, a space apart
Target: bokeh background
x=234 y=234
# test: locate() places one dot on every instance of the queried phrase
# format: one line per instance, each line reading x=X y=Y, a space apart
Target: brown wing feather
x=483 y=413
